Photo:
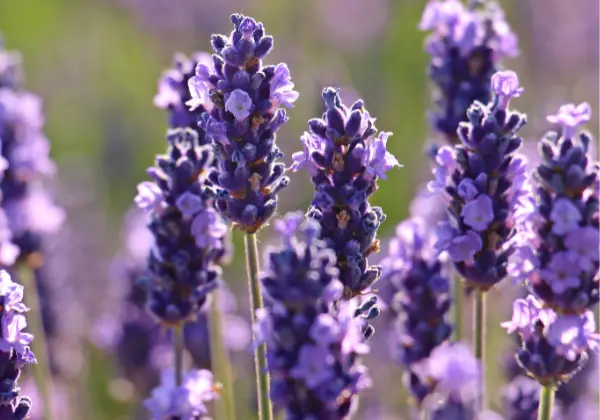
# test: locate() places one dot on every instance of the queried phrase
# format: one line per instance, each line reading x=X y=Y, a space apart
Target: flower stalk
x=256 y=302
x=546 y=403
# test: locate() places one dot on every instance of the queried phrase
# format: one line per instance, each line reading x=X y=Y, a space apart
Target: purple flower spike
x=14 y=348
x=312 y=349
x=185 y=402
x=505 y=85
x=570 y=117
x=242 y=100
x=189 y=234
x=345 y=157
x=466 y=45
x=25 y=163
x=554 y=347
x=419 y=295
x=563 y=230
x=485 y=181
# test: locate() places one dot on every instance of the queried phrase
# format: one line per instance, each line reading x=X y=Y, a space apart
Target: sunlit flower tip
x=505 y=85
x=282 y=88
x=149 y=196
x=570 y=117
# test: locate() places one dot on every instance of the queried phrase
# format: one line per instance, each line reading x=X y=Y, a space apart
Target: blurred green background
x=96 y=63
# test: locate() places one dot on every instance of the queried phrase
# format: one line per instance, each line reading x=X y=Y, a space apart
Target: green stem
x=546 y=403
x=178 y=353
x=220 y=361
x=260 y=357
x=458 y=302
x=423 y=414
x=479 y=319
x=41 y=370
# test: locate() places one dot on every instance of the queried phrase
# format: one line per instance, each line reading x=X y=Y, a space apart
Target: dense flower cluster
x=345 y=156
x=563 y=244
x=14 y=349
x=188 y=232
x=313 y=350
x=554 y=347
x=243 y=100
x=486 y=182
x=28 y=209
x=466 y=46
x=184 y=402
x=422 y=297
x=132 y=335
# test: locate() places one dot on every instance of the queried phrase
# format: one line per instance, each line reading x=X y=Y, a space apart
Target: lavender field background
x=96 y=63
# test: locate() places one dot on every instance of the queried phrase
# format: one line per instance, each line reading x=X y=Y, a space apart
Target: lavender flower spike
x=184 y=402
x=466 y=46
x=345 y=156
x=485 y=181
x=313 y=351
x=564 y=238
x=14 y=349
x=554 y=347
x=422 y=299
x=188 y=232
x=243 y=100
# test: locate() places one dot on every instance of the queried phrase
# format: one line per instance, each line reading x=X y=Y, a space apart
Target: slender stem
x=220 y=361
x=178 y=353
x=41 y=370
x=260 y=355
x=546 y=403
x=423 y=414
x=479 y=320
x=458 y=302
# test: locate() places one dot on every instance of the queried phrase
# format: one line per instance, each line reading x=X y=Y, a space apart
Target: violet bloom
x=345 y=158
x=564 y=238
x=554 y=347
x=421 y=301
x=183 y=261
x=25 y=162
x=242 y=100
x=485 y=183
x=184 y=402
x=14 y=349
x=312 y=349
x=466 y=45
x=174 y=93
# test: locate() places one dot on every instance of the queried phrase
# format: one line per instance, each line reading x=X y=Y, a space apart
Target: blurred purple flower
x=570 y=117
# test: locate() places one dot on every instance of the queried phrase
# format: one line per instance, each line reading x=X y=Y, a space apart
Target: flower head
x=345 y=157
x=188 y=233
x=505 y=85
x=563 y=234
x=570 y=117
x=554 y=347
x=312 y=348
x=485 y=187
x=466 y=45
x=241 y=98
x=14 y=347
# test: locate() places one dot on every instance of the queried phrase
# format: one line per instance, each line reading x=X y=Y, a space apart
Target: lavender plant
x=345 y=157
x=485 y=180
x=14 y=349
x=188 y=236
x=555 y=323
x=467 y=45
x=313 y=350
x=243 y=100
x=421 y=302
x=28 y=210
